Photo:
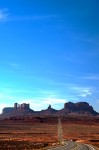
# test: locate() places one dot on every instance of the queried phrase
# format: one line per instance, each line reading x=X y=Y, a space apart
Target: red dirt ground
x=39 y=132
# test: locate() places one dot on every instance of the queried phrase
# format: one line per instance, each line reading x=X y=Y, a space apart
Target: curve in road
x=70 y=145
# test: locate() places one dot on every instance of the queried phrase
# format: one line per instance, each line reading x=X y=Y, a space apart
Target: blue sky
x=49 y=52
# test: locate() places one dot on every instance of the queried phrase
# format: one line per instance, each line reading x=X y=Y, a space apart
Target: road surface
x=70 y=145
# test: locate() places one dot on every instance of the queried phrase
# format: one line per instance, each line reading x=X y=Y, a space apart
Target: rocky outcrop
x=17 y=110
x=17 y=107
x=80 y=108
x=48 y=111
x=7 y=110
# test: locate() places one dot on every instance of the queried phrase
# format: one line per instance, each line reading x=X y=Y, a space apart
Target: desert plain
x=33 y=132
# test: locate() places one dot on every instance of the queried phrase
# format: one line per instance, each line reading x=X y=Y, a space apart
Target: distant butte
x=80 y=108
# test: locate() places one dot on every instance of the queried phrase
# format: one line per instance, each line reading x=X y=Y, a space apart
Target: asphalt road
x=70 y=145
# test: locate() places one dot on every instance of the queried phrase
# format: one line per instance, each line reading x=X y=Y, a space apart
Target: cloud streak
x=82 y=91
x=94 y=77
x=13 y=65
x=5 y=96
x=42 y=103
x=6 y=16
x=31 y=17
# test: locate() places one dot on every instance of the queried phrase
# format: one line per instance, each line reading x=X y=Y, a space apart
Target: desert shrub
x=20 y=145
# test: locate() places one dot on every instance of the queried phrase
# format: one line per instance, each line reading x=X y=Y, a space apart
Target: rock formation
x=17 y=110
x=48 y=111
x=80 y=108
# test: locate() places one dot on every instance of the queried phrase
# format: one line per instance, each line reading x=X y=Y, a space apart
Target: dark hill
x=48 y=111
x=80 y=108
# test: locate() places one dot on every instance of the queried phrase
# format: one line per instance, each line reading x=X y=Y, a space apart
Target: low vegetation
x=40 y=132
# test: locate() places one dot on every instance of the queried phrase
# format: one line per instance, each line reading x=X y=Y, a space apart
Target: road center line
x=75 y=147
x=90 y=146
x=58 y=147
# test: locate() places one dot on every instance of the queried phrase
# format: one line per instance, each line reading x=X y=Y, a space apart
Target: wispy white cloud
x=51 y=100
x=4 y=96
x=91 y=77
x=31 y=17
x=82 y=91
x=81 y=37
x=58 y=73
x=4 y=14
x=74 y=58
x=13 y=65
x=85 y=93
x=51 y=93
x=5 y=92
x=42 y=96
x=42 y=103
x=14 y=91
